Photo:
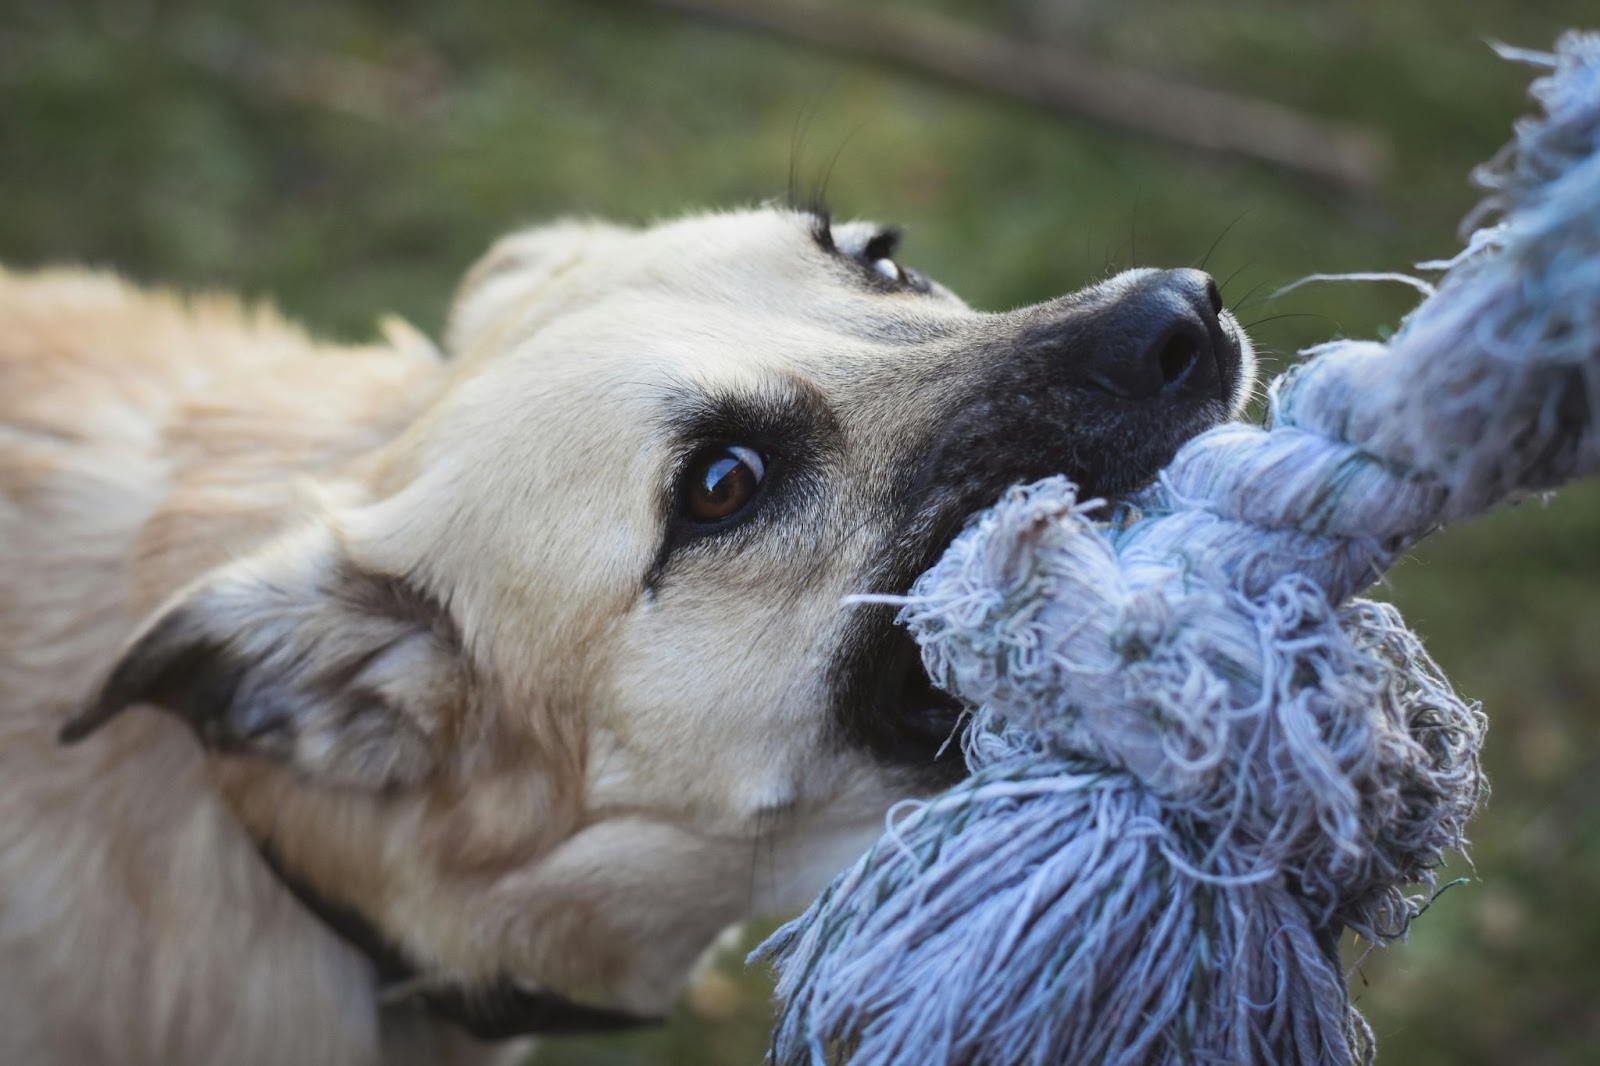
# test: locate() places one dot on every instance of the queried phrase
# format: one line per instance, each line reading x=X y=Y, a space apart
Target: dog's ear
x=513 y=273
x=300 y=655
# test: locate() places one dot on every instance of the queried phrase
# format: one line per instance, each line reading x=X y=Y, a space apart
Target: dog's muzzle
x=1104 y=386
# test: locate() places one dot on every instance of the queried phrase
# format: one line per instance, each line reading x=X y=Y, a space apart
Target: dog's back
x=142 y=439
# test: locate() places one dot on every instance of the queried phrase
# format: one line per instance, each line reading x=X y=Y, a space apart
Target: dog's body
x=533 y=657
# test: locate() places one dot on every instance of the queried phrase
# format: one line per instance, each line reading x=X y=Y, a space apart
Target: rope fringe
x=1196 y=759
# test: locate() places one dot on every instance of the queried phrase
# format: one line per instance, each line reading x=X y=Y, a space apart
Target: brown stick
x=1072 y=84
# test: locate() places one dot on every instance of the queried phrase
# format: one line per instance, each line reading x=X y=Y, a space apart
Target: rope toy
x=1195 y=758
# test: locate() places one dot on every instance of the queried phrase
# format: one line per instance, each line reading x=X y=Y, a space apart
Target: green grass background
x=345 y=160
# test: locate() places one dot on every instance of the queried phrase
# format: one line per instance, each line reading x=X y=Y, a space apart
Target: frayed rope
x=1195 y=759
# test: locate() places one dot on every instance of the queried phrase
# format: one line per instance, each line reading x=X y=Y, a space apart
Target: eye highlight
x=721 y=481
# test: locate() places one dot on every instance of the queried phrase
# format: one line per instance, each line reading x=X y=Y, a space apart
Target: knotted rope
x=1195 y=759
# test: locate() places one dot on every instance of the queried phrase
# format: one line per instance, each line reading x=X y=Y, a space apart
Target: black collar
x=500 y=1010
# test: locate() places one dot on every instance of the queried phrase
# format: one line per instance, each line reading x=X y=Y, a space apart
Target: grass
x=345 y=160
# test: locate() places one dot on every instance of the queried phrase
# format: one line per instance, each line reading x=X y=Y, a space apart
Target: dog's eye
x=889 y=269
x=723 y=479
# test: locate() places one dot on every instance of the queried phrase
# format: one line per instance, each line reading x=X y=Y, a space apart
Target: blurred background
x=345 y=160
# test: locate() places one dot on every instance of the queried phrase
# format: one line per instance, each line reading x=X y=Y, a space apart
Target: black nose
x=1161 y=336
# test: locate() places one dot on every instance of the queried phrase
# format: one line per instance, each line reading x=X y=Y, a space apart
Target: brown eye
x=722 y=480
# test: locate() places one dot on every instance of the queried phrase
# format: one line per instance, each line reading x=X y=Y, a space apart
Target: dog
x=382 y=703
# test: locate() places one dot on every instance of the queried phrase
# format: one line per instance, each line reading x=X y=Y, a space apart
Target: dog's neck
x=500 y=1010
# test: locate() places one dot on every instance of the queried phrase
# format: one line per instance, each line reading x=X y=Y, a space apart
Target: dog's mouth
x=891 y=707
x=887 y=701
x=926 y=720
x=1033 y=411
x=930 y=716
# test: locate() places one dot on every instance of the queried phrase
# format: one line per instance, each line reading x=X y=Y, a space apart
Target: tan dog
x=517 y=674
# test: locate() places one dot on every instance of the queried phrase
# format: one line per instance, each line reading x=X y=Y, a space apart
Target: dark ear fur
x=302 y=656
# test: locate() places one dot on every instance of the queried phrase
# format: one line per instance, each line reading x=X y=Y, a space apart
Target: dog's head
x=565 y=684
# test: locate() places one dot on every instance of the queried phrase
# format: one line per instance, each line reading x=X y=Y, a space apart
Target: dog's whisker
x=1237 y=271
x=1234 y=310
x=1225 y=229
x=1290 y=314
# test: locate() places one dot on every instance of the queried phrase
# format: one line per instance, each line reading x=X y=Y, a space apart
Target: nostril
x=1177 y=355
x=1213 y=296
